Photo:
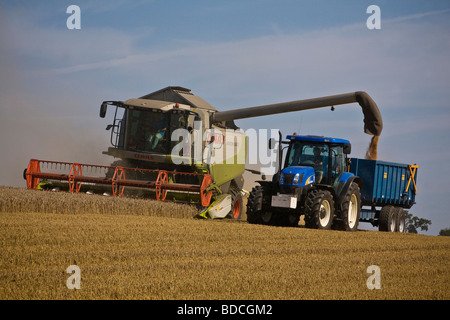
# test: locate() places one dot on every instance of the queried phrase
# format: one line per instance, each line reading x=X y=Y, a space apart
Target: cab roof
x=317 y=139
x=177 y=94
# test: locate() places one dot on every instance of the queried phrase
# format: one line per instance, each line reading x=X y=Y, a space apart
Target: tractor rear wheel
x=319 y=209
x=351 y=208
x=257 y=207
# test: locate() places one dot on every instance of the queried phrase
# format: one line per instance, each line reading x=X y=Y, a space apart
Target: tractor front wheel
x=258 y=207
x=319 y=209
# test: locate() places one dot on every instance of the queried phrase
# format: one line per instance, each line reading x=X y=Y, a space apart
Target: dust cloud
x=30 y=131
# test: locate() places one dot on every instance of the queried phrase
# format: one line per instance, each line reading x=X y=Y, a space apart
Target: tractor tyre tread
x=313 y=203
x=254 y=202
x=354 y=189
x=385 y=219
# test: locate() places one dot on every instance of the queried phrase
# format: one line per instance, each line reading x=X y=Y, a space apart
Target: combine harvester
x=191 y=169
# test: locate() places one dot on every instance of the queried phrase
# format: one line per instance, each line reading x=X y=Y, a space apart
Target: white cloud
x=43 y=47
x=416 y=16
x=405 y=57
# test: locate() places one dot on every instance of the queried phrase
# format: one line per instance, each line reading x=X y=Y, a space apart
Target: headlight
x=297 y=178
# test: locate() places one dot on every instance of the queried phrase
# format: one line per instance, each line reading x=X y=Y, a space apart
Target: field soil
x=143 y=249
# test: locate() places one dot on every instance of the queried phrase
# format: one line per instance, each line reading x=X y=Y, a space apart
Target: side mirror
x=103 y=109
x=347 y=148
x=272 y=142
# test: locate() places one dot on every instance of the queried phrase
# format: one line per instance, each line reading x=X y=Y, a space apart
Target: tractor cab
x=314 y=160
x=313 y=182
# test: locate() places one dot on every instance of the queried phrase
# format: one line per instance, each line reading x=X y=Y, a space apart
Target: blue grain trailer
x=332 y=191
x=388 y=189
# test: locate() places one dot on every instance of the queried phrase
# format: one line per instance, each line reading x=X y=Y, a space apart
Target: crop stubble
x=141 y=249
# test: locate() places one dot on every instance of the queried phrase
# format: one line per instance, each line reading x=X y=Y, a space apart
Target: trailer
x=388 y=189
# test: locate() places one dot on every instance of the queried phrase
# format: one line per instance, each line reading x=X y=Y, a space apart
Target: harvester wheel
x=387 y=219
x=236 y=206
x=351 y=208
x=258 y=208
x=319 y=209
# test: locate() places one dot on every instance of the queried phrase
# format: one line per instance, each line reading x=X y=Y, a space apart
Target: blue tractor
x=314 y=182
x=331 y=190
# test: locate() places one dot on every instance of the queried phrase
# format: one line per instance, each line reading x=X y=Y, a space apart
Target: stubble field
x=142 y=249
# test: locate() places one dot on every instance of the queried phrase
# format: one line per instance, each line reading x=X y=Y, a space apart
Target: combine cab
x=172 y=145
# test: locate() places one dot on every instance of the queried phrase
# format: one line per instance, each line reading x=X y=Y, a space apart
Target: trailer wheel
x=401 y=220
x=351 y=208
x=319 y=209
x=257 y=207
x=387 y=220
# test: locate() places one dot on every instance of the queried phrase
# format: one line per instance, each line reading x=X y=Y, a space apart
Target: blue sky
x=233 y=54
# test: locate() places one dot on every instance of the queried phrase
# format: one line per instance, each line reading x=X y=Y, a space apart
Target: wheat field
x=143 y=249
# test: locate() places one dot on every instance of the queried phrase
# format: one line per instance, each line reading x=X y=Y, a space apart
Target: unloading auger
x=203 y=165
